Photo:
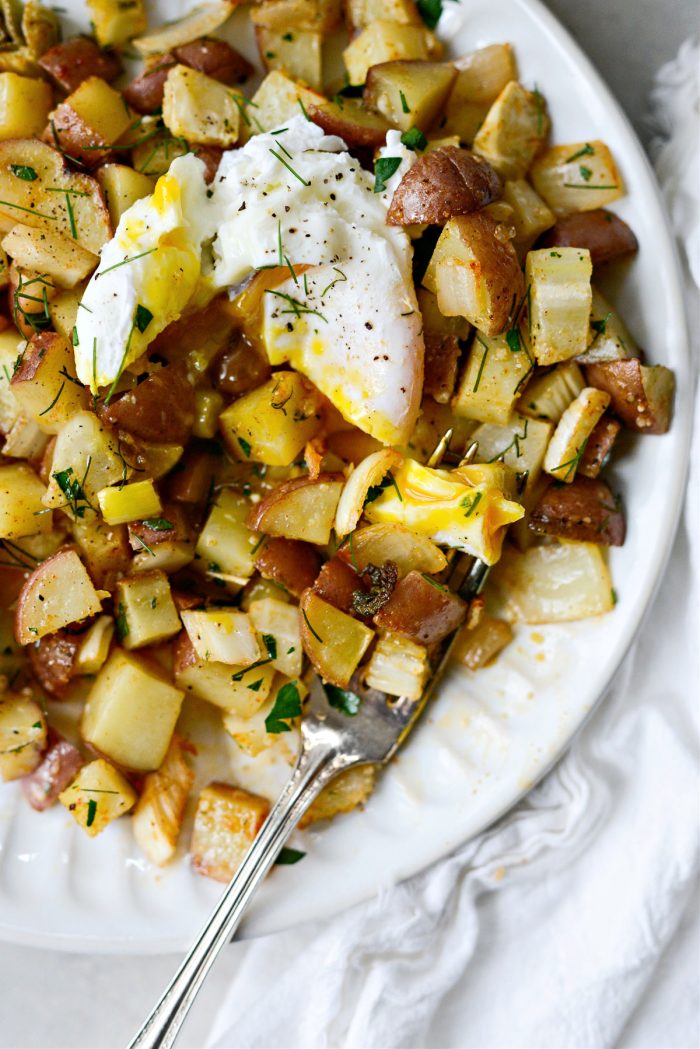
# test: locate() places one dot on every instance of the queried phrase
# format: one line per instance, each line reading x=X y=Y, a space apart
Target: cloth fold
x=547 y=930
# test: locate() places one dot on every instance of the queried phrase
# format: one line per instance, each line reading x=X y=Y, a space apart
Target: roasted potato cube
x=559 y=283
x=492 y=379
x=20 y=502
x=361 y=13
x=475 y=274
x=441 y=184
x=641 y=396
x=289 y=562
x=59 y=767
x=343 y=794
x=255 y=428
x=612 y=340
x=160 y=809
x=94 y=645
x=477 y=646
x=45 y=385
x=585 y=510
x=521 y=443
x=216 y=58
x=398 y=666
x=226 y=822
x=351 y=120
x=281 y=16
x=24 y=106
x=98 y=795
x=122 y=187
x=530 y=215
x=146 y=611
x=153 y=156
x=303 y=508
x=277 y=100
x=226 y=544
x=573 y=430
x=89 y=121
x=22 y=735
x=117 y=21
x=57 y=593
x=74 y=60
x=514 y=130
x=605 y=234
x=296 y=51
x=409 y=93
x=481 y=76
x=579 y=177
x=551 y=584
x=549 y=395
x=61 y=259
x=223 y=635
x=377 y=543
x=25 y=440
x=337 y=584
x=421 y=611
x=145 y=92
x=334 y=642
x=200 y=109
x=599 y=446
x=277 y=623
x=103 y=548
x=53 y=661
x=383 y=41
x=84 y=454
x=238 y=690
x=131 y=713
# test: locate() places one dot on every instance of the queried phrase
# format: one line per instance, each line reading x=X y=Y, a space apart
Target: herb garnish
x=572 y=464
x=91 y=811
x=470 y=505
x=287 y=705
x=515 y=443
x=430 y=11
x=600 y=326
x=270 y=644
x=142 y=317
x=341 y=699
x=54 y=401
x=587 y=151
x=129 y=258
x=245 y=446
x=383 y=579
x=287 y=856
x=24 y=172
x=120 y=622
x=289 y=167
x=384 y=168
x=414 y=139
x=74 y=490
x=404 y=104
x=297 y=307
x=30 y=211
x=475 y=387
x=434 y=582
x=306 y=620
x=158 y=524
x=338 y=280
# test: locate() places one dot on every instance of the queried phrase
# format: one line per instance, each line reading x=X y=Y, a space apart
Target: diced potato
x=122 y=187
x=240 y=691
x=153 y=156
x=443 y=183
x=481 y=77
x=95 y=645
x=60 y=258
x=398 y=667
x=421 y=611
x=599 y=446
x=409 y=93
x=303 y=508
x=250 y=733
x=85 y=453
x=552 y=584
x=223 y=635
x=559 y=283
x=70 y=62
x=531 y=216
x=160 y=809
x=226 y=822
x=513 y=131
x=289 y=563
x=475 y=274
x=59 y=765
x=98 y=795
x=45 y=385
x=641 y=396
x=89 y=121
x=377 y=543
x=278 y=620
x=225 y=544
x=579 y=177
x=200 y=109
x=129 y=502
x=131 y=713
x=477 y=646
x=255 y=428
x=351 y=120
x=361 y=13
x=24 y=105
x=492 y=379
x=295 y=51
x=10 y=356
x=383 y=41
x=321 y=16
x=202 y=20
x=277 y=100
x=22 y=735
x=585 y=510
x=58 y=592
x=549 y=395
x=26 y=440
x=521 y=443
x=612 y=340
x=604 y=233
x=146 y=612
x=334 y=642
x=117 y=21
x=343 y=794
x=103 y=548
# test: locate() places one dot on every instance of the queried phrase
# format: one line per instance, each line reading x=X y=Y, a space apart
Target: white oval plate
x=488 y=737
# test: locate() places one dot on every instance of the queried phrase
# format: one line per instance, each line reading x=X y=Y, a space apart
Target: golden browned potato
x=334 y=642
x=22 y=735
x=44 y=383
x=409 y=93
x=599 y=446
x=303 y=508
x=89 y=121
x=58 y=592
x=477 y=646
x=585 y=510
x=514 y=130
x=481 y=76
x=641 y=396
x=350 y=119
x=442 y=183
x=24 y=105
x=289 y=562
x=605 y=234
x=74 y=60
x=422 y=610
x=296 y=51
x=147 y=410
x=475 y=273
x=225 y=824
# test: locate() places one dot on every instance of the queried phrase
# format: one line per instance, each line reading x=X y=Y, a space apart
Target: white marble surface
x=52 y=1000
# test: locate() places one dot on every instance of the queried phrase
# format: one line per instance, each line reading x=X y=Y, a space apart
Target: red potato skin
x=69 y=133
x=52 y=660
x=335 y=122
x=605 y=235
x=442 y=353
x=291 y=562
x=145 y=92
x=257 y=513
x=180 y=532
x=240 y=368
x=159 y=409
x=211 y=158
x=419 y=611
x=337 y=582
x=585 y=510
x=623 y=380
x=185 y=601
x=442 y=183
x=60 y=765
x=74 y=60
x=184 y=655
x=190 y=482
x=216 y=59
x=599 y=446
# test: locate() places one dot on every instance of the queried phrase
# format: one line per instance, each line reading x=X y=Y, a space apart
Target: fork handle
x=315 y=768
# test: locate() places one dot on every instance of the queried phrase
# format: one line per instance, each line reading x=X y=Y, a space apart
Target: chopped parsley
x=600 y=326
x=384 y=168
x=430 y=11
x=414 y=139
x=91 y=812
x=341 y=699
x=404 y=104
x=286 y=856
x=245 y=445
x=158 y=524
x=271 y=645
x=142 y=317
x=73 y=489
x=24 y=172
x=287 y=705
x=120 y=622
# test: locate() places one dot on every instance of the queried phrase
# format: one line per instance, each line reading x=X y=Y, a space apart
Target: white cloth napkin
x=549 y=929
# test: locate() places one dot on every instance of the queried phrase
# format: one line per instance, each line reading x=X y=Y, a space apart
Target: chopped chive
x=91 y=811
x=587 y=151
x=434 y=582
x=289 y=168
x=30 y=211
x=54 y=401
x=116 y=265
x=481 y=366
x=404 y=104
x=71 y=217
x=306 y=620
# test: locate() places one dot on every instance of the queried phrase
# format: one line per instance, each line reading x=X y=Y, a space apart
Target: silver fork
x=331 y=742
